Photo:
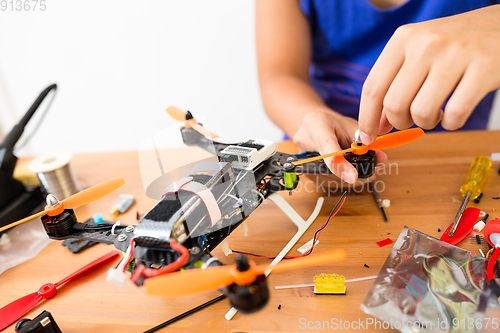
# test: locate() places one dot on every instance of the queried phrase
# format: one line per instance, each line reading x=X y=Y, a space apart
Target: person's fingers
x=380 y=157
x=469 y=92
x=375 y=88
x=318 y=132
x=327 y=142
x=403 y=90
x=380 y=160
x=384 y=126
x=303 y=140
x=426 y=109
x=342 y=169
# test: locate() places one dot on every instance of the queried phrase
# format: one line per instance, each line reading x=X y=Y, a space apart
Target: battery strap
x=203 y=192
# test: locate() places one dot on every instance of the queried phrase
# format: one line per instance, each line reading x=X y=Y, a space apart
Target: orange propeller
x=79 y=199
x=180 y=115
x=387 y=141
x=212 y=278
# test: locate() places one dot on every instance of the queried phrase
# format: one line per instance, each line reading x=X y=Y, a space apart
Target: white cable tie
x=208 y=262
x=114 y=226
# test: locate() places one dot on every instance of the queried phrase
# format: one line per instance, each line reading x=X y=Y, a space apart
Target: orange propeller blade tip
x=26 y=219
x=397 y=139
x=176 y=113
x=93 y=193
x=191 y=281
x=303 y=262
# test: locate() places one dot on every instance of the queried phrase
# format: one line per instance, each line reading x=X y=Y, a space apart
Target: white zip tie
x=208 y=262
x=114 y=226
x=232 y=196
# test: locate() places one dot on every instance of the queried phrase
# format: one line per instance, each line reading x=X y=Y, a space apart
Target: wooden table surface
x=422 y=183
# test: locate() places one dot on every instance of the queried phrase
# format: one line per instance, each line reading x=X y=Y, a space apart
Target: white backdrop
x=120 y=63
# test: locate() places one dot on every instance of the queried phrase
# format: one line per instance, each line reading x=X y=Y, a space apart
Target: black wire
x=39 y=123
x=187 y=313
x=314 y=239
x=13 y=136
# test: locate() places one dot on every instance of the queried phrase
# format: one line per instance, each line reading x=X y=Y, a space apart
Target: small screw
x=130 y=228
x=290 y=159
x=194 y=250
x=288 y=165
x=122 y=238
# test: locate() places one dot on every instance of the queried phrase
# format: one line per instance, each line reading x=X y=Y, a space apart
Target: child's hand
x=328 y=132
x=423 y=64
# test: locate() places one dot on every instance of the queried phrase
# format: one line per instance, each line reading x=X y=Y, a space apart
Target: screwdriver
x=477 y=176
x=372 y=187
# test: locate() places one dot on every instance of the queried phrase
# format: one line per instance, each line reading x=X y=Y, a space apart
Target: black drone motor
x=248 y=298
x=364 y=164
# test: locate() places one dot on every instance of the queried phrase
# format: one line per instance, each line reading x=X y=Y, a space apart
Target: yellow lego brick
x=329 y=284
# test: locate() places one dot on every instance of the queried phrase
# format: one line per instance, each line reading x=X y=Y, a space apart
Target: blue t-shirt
x=349 y=35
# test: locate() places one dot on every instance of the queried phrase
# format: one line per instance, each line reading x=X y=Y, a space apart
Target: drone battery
x=182 y=213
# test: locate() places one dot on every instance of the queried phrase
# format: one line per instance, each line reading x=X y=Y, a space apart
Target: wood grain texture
x=423 y=186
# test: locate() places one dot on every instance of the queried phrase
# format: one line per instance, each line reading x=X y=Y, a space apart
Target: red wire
x=150 y=272
x=491 y=264
x=418 y=291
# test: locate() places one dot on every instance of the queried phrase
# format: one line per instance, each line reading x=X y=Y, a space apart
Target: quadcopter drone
x=198 y=212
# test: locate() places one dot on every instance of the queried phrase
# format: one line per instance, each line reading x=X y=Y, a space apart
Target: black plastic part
x=364 y=164
x=100 y=233
x=59 y=225
x=18 y=202
x=250 y=298
x=7 y=158
x=21 y=323
x=77 y=245
x=43 y=323
x=251 y=144
x=478 y=239
x=494 y=287
x=242 y=264
x=10 y=189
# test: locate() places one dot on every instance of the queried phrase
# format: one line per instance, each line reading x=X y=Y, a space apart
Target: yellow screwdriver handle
x=477 y=176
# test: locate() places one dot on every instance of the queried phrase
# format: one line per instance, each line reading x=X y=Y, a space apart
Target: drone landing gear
x=301 y=224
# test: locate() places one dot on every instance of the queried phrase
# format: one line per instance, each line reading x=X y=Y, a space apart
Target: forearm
x=288 y=98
